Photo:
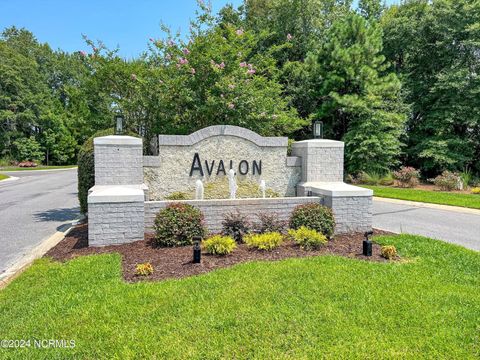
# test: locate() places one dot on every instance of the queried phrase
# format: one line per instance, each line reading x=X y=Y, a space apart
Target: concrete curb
x=9 y=179
x=42 y=170
x=429 y=205
x=20 y=266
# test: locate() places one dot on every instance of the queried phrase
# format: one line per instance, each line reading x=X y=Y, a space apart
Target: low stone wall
x=215 y=210
x=352 y=213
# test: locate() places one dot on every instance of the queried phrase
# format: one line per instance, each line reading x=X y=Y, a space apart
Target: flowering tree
x=215 y=77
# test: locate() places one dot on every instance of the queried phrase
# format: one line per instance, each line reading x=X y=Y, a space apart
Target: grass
x=41 y=167
x=3 y=177
x=434 y=197
x=427 y=306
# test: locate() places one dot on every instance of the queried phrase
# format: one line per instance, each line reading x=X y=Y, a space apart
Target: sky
x=126 y=23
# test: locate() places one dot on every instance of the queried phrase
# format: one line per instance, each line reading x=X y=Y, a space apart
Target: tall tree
x=434 y=48
x=357 y=102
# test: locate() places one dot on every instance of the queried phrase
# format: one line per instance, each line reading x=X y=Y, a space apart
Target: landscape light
x=118 y=124
x=197 y=250
x=367 y=244
x=318 y=129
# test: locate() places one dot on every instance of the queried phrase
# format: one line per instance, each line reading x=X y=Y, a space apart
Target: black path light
x=318 y=129
x=197 y=250
x=367 y=244
x=119 y=120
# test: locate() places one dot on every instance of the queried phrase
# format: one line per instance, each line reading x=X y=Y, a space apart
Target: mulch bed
x=177 y=262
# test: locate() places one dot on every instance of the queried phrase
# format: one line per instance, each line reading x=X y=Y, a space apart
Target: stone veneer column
x=116 y=204
x=322 y=175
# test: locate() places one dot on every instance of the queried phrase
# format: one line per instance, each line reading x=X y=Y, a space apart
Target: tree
x=27 y=149
x=434 y=48
x=357 y=102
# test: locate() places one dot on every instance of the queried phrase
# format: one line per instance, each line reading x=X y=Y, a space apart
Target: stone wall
x=322 y=160
x=118 y=160
x=115 y=223
x=170 y=171
x=215 y=210
x=352 y=213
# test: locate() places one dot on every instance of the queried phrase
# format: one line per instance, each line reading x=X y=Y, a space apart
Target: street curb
x=20 y=266
x=10 y=178
x=40 y=170
x=429 y=205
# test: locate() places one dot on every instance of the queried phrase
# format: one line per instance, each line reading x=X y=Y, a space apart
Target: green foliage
x=269 y=222
x=219 y=245
x=267 y=241
x=360 y=105
x=374 y=178
x=308 y=239
x=313 y=216
x=27 y=149
x=444 y=123
x=389 y=252
x=178 y=195
x=448 y=181
x=144 y=269
x=86 y=169
x=467 y=178
x=178 y=224
x=236 y=225
x=406 y=177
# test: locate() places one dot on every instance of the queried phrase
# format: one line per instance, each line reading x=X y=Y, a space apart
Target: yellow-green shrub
x=389 y=252
x=308 y=239
x=267 y=241
x=476 y=190
x=178 y=195
x=219 y=245
x=144 y=269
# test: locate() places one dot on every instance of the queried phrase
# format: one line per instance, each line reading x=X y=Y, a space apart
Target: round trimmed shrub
x=178 y=224
x=267 y=241
x=313 y=216
x=219 y=245
x=389 y=252
x=308 y=239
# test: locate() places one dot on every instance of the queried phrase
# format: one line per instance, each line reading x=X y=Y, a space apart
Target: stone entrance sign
x=130 y=188
x=209 y=153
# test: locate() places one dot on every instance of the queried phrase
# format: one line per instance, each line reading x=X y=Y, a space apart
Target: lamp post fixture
x=318 y=129
x=197 y=250
x=119 y=119
x=367 y=244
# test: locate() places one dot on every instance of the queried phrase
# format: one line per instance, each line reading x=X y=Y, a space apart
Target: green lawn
x=41 y=167
x=427 y=306
x=434 y=197
x=3 y=177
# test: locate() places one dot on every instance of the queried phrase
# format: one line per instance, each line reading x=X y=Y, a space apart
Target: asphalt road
x=460 y=228
x=33 y=208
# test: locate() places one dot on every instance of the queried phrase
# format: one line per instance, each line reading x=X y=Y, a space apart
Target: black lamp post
x=119 y=119
x=318 y=129
x=367 y=244
x=197 y=250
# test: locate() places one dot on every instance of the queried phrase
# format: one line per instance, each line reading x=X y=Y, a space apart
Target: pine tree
x=359 y=104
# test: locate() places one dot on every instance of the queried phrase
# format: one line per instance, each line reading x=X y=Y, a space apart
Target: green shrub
x=219 y=245
x=269 y=222
x=313 y=216
x=178 y=224
x=372 y=178
x=267 y=241
x=407 y=177
x=144 y=269
x=178 y=195
x=236 y=225
x=308 y=239
x=387 y=179
x=448 y=181
x=389 y=252
x=476 y=190
x=86 y=168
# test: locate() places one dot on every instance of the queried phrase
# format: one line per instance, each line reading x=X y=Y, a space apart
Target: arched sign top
x=222 y=130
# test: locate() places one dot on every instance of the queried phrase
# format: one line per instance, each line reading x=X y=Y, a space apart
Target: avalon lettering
x=244 y=167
